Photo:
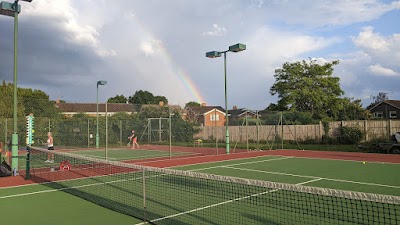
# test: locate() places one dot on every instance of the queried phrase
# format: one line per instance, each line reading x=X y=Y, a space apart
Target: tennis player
x=133 y=139
x=50 y=146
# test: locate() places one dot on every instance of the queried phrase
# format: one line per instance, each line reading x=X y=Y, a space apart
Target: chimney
x=203 y=104
x=235 y=107
x=161 y=103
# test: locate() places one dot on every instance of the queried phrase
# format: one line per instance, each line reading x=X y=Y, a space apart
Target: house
x=206 y=115
x=70 y=109
x=388 y=109
x=236 y=113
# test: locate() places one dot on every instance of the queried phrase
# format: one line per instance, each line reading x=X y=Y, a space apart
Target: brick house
x=71 y=109
x=206 y=115
x=388 y=109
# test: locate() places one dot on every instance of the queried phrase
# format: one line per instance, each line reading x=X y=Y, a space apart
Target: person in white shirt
x=50 y=146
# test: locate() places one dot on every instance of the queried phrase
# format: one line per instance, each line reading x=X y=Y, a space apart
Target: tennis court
x=187 y=197
x=123 y=154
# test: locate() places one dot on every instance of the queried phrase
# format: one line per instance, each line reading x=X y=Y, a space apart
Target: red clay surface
x=205 y=155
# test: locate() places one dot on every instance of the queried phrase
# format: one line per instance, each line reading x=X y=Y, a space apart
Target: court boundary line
x=306 y=176
x=347 y=160
x=244 y=163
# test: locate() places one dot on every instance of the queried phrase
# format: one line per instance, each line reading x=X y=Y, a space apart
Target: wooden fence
x=372 y=128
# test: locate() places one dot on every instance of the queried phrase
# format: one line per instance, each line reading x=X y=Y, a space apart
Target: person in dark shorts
x=50 y=146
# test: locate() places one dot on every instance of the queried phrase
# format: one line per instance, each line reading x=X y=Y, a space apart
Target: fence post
x=88 y=133
x=320 y=130
x=144 y=194
x=389 y=128
x=120 y=132
x=366 y=130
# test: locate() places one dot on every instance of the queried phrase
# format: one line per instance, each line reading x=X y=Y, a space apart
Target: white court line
x=322 y=178
x=218 y=204
x=244 y=163
x=66 y=188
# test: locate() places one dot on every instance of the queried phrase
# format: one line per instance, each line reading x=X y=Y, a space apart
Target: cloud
x=369 y=40
x=329 y=12
x=379 y=70
x=216 y=31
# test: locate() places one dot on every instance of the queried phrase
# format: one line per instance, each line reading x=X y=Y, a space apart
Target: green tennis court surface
x=211 y=201
x=127 y=154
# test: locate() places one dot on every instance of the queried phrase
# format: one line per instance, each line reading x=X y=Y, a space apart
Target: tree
x=192 y=104
x=7 y=99
x=38 y=103
x=118 y=99
x=348 y=109
x=306 y=86
x=145 y=97
x=382 y=96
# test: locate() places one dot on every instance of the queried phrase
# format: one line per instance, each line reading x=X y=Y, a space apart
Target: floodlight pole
x=13 y=9
x=14 y=138
x=226 y=109
x=100 y=82
x=214 y=54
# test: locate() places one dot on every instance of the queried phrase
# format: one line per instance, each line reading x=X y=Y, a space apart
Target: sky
x=66 y=46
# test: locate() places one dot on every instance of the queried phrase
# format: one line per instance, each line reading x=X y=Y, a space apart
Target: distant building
x=206 y=115
x=240 y=113
x=388 y=109
x=71 y=109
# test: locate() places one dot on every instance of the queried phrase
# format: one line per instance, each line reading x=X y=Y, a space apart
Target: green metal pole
x=15 y=133
x=170 y=131
x=97 y=116
x=226 y=108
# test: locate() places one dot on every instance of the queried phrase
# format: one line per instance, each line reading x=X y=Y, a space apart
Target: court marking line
x=346 y=160
x=218 y=204
x=73 y=187
x=306 y=176
x=226 y=160
x=244 y=163
x=128 y=158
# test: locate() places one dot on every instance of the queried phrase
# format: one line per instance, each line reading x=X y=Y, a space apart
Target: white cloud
x=217 y=30
x=379 y=70
x=370 y=40
x=150 y=47
x=329 y=12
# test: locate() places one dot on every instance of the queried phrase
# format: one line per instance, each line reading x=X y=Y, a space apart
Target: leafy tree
x=347 y=109
x=145 y=97
x=38 y=103
x=306 y=86
x=118 y=99
x=380 y=97
x=7 y=101
x=158 y=99
x=192 y=104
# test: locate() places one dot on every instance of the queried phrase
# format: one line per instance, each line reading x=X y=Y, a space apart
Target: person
x=133 y=140
x=50 y=146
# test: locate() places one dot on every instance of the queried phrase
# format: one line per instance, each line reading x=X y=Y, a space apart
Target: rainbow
x=182 y=75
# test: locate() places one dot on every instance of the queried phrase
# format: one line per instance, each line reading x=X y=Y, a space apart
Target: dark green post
x=28 y=164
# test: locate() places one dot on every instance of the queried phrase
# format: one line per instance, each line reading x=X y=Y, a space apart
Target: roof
x=240 y=112
x=92 y=107
x=201 y=110
x=394 y=103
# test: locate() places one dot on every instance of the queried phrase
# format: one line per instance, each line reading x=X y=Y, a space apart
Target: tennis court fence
x=168 y=196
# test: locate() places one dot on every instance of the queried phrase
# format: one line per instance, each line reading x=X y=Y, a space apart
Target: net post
x=28 y=164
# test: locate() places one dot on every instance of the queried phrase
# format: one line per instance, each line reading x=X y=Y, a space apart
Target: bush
x=350 y=135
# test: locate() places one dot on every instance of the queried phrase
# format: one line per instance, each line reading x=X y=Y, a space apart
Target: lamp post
x=100 y=82
x=215 y=54
x=13 y=9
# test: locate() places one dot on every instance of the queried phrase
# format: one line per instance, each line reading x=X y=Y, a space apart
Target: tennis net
x=166 y=196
